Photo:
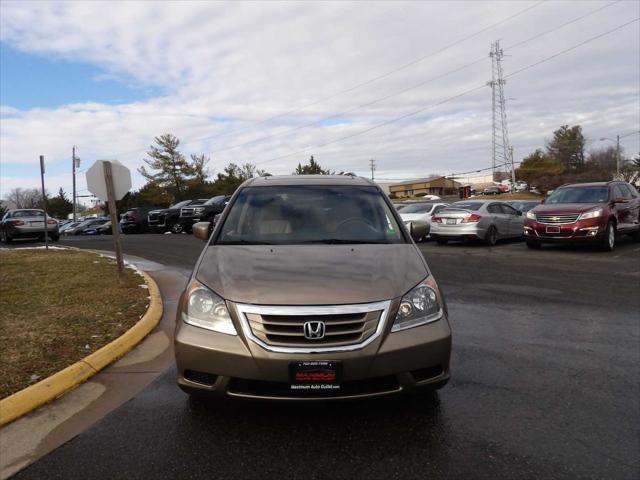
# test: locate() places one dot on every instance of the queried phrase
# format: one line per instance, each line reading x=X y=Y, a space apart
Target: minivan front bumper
x=237 y=366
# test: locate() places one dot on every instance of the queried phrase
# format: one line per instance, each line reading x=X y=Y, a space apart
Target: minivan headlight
x=530 y=215
x=591 y=214
x=205 y=309
x=419 y=306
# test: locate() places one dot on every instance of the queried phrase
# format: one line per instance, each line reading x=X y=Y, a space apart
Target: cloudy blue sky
x=272 y=83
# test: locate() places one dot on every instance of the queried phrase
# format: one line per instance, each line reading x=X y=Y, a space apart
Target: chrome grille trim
x=559 y=219
x=244 y=309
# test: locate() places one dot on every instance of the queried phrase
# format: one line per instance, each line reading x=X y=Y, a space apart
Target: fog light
x=590 y=231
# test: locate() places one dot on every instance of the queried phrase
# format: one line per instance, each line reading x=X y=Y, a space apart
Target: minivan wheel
x=491 y=238
x=608 y=242
x=533 y=244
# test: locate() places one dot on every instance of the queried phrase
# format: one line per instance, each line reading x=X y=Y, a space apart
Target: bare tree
x=199 y=165
x=24 y=198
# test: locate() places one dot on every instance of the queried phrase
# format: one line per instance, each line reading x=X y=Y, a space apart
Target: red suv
x=585 y=212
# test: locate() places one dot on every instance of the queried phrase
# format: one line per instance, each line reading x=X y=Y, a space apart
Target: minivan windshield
x=309 y=214
x=579 y=195
x=418 y=208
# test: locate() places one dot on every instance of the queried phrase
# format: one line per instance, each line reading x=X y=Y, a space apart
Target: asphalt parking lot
x=545 y=384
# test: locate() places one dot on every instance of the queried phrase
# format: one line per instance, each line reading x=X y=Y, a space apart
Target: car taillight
x=17 y=222
x=51 y=221
x=436 y=219
x=474 y=217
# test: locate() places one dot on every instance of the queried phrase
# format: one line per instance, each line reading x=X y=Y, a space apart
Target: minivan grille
x=557 y=219
x=288 y=330
x=308 y=328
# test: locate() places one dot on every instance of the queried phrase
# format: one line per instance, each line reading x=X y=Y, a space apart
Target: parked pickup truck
x=201 y=213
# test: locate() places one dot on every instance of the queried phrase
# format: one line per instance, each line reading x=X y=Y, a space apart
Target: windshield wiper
x=341 y=241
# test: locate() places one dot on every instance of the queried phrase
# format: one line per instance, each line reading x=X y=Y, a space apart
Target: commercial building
x=436 y=185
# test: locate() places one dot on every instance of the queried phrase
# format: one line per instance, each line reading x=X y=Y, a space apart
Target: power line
x=379 y=77
x=630 y=133
x=413 y=87
x=462 y=94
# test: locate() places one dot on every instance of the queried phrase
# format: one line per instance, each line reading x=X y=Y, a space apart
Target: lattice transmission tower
x=502 y=150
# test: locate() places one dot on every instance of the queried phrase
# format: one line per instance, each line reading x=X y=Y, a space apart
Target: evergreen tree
x=312 y=168
x=567 y=147
x=171 y=168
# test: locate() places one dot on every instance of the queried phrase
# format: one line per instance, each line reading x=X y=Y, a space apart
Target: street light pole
x=73 y=172
x=617 y=141
x=618 y=156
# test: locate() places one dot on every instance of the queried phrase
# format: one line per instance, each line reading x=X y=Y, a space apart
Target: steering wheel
x=355 y=220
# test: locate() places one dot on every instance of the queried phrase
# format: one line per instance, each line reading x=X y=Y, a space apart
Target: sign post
x=110 y=181
x=44 y=204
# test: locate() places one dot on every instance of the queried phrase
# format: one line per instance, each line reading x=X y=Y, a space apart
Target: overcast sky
x=108 y=77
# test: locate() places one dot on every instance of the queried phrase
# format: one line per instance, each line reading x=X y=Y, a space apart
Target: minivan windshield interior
x=309 y=214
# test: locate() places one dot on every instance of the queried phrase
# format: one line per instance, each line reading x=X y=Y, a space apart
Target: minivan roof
x=286 y=180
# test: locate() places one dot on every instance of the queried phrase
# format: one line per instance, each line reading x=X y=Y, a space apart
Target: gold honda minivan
x=310 y=287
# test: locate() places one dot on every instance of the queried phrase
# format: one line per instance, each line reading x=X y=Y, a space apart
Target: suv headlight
x=591 y=214
x=198 y=210
x=530 y=215
x=205 y=309
x=420 y=306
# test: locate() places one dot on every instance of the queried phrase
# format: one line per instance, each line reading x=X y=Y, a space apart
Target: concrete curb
x=36 y=395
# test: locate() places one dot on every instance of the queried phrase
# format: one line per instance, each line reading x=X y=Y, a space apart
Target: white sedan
x=418 y=217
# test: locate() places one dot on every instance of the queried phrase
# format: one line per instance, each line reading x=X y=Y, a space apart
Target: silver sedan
x=417 y=216
x=488 y=221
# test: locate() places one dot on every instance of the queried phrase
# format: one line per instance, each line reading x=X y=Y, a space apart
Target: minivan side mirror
x=519 y=213
x=413 y=233
x=201 y=230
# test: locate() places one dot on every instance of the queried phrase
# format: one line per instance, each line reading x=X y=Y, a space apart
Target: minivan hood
x=311 y=274
x=566 y=207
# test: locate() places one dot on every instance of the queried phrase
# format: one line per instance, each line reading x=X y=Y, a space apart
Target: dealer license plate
x=451 y=221
x=553 y=229
x=315 y=376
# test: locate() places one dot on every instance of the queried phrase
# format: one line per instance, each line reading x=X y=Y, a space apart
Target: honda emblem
x=314 y=330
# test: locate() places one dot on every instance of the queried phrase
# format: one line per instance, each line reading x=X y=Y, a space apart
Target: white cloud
x=226 y=65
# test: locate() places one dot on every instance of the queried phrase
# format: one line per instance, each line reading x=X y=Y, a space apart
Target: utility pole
x=372 y=164
x=73 y=172
x=501 y=149
x=617 y=157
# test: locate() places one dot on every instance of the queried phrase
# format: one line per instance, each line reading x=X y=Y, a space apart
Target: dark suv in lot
x=586 y=212
x=135 y=220
x=167 y=219
x=201 y=213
